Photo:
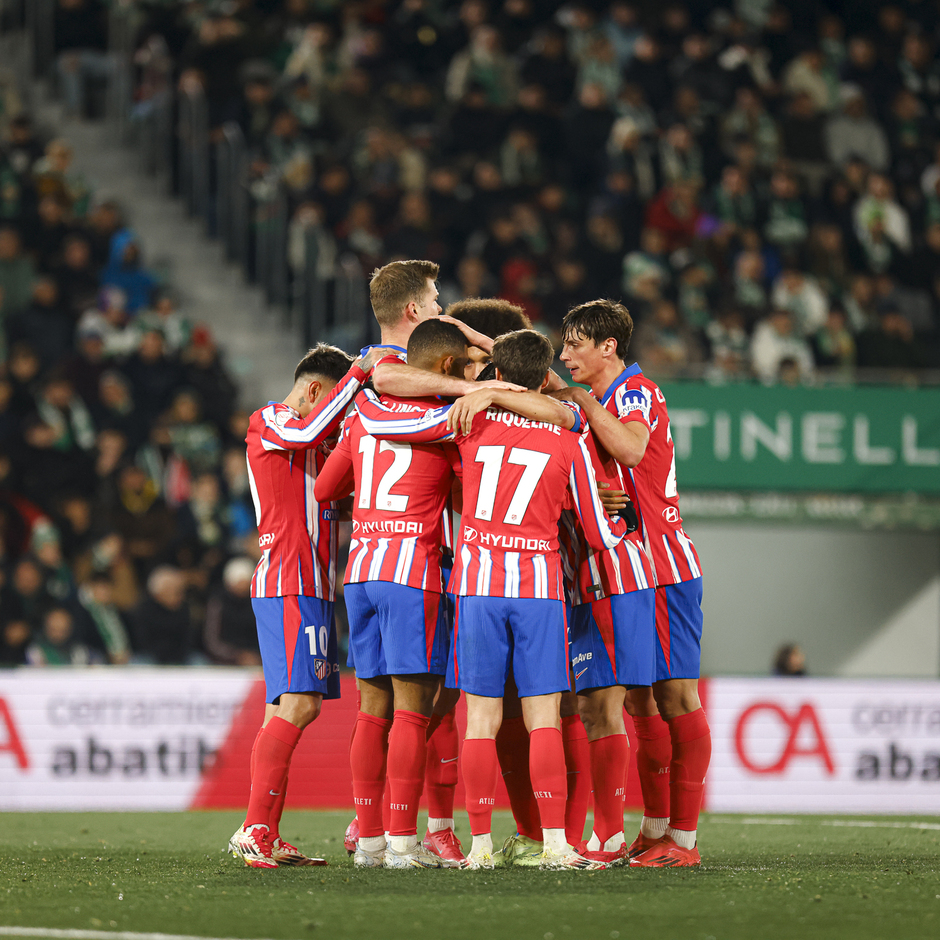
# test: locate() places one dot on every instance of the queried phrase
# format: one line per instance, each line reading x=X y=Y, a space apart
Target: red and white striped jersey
x=297 y=535
x=652 y=483
x=624 y=568
x=401 y=491
x=517 y=475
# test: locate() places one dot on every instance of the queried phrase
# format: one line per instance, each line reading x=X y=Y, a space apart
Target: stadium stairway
x=259 y=350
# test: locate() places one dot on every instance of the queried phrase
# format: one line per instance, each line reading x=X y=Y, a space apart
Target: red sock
x=252 y=761
x=512 y=746
x=441 y=772
x=610 y=759
x=691 y=753
x=578 y=762
x=275 y=746
x=653 y=756
x=277 y=810
x=407 y=755
x=549 y=776
x=367 y=760
x=480 y=767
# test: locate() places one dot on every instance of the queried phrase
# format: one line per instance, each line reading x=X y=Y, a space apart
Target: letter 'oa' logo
x=671 y=514
x=813 y=744
x=469 y=534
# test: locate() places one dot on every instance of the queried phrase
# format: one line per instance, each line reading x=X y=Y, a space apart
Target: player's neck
x=397 y=336
x=605 y=377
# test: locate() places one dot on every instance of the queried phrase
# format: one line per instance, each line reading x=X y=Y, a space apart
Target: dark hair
x=330 y=362
x=395 y=285
x=490 y=316
x=600 y=320
x=434 y=339
x=523 y=357
x=487 y=373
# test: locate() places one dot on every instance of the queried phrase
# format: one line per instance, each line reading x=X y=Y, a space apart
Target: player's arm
x=625 y=442
x=385 y=424
x=532 y=405
x=282 y=432
x=336 y=479
x=600 y=531
x=404 y=381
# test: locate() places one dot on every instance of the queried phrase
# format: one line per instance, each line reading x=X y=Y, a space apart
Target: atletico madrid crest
x=321 y=668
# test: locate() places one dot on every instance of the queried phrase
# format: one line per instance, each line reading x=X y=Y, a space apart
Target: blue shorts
x=396 y=630
x=679 y=630
x=495 y=634
x=450 y=600
x=297 y=638
x=612 y=641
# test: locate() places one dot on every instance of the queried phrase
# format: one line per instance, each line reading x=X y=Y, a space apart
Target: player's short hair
x=523 y=357
x=434 y=339
x=395 y=285
x=489 y=315
x=599 y=320
x=329 y=362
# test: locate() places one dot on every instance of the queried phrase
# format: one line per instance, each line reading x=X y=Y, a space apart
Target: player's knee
x=299 y=710
x=675 y=698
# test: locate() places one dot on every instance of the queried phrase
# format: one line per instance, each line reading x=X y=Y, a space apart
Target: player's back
x=400 y=493
x=657 y=494
x=515 y=479
x=297 y=536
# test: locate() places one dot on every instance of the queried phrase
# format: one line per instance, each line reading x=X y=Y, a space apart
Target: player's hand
x=368 y=362
x=500 y=386
x=613 y=500
x=474 y=338
x=464 y=409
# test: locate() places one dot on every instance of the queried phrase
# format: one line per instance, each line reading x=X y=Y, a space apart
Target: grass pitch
x=790 y=878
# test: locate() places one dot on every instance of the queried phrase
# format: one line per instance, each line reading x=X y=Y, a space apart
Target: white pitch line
x=96 y=934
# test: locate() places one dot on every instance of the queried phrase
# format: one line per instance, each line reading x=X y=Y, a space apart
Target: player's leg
x=413 y=629
x=578 y=764
x=482 y=649
x=512 y=749
x=440 y=778
x=480 y=770
x=540 y=667
x=368 y=752
x=679 y=631
x=653 y=758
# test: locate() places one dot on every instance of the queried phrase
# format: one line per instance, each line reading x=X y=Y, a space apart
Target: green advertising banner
x=845 y=440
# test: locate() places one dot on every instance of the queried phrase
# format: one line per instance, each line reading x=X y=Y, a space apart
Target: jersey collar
x=627 y=373
x=366 y=349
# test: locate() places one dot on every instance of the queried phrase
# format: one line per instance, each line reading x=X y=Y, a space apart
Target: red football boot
x=640 y=844
x=445 y=844
x=352 y=836
x=610 y=859
x=667 y=853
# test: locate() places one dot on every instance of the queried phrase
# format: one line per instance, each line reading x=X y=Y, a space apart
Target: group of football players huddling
x=514 y=538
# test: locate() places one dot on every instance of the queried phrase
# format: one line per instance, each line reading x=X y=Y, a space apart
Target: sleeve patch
x=629 y=400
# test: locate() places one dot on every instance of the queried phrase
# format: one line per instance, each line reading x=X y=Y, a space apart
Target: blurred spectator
x=96 y=596
x=231 y=635
x=81 y=42
x=853 y=133
x=802 y=296
x=891 y=344
x=665 y=345
x=16 y=275
x=789 y=660
x=15 y=638
x=776 y=342
x=834 y=345
x=163 y=629
x=56 y=643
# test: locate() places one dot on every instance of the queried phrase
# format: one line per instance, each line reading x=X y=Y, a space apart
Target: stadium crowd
x=758 y=182
x=126 y=527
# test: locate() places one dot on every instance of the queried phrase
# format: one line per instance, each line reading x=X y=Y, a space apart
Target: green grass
x=808 y=879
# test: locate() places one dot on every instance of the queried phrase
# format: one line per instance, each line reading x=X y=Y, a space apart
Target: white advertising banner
x=112 y=739
x=802 y=745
